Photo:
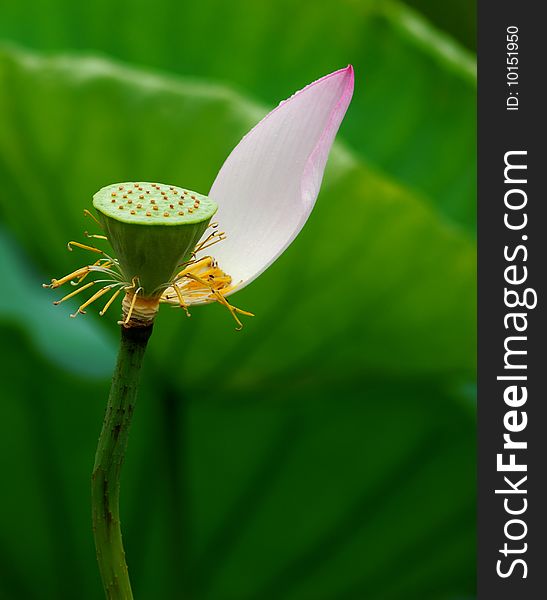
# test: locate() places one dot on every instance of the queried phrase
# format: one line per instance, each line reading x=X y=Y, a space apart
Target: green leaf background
x=327 y=451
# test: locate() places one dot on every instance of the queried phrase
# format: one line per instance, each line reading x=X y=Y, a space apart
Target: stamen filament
x=95 y=236
x=88 y=214
x=193 y=265
x=181 y=300
x=211 y=243
x=222 y=300
x=110 y=300
x=242 y=312
x=98 y=294
x=55 y=283
x=84 y=247
x=72 y=294
x=131 y=307
x=133 y=284
x=210 y=240
x=106 y=270
x=95 y=264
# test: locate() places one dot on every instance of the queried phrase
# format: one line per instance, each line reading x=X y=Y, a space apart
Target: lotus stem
x=109 y=460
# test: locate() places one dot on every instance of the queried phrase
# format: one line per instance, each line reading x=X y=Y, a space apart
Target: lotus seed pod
x=152 y=229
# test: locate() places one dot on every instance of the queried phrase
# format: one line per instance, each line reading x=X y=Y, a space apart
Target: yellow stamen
x=181 y=300
x=95 y=236
x=133 y=285
x=84 y=287
x=88 y=214
x=211 y=240
x=55 y=283
x=111 y=299
x=84 y=247
x=106 y=265
x=192 y=265
x=82 y=277
x=222 y=300
x=131 y=307
x=98 y=294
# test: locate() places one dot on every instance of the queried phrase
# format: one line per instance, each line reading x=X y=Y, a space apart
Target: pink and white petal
x=268 y=185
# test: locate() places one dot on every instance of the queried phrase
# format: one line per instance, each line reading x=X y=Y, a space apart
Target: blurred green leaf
x=397 y=286
x=81 y=348
x=310 y=456
x=294 y=496
x=50 y=420
x=414 y=106
x=458 y=18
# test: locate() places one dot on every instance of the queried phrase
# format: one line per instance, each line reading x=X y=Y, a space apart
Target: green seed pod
x=152 y=229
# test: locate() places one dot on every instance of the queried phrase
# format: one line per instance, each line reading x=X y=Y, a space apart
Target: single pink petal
x=268 y=185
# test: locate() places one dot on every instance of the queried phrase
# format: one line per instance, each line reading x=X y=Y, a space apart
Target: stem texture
x=105 y=481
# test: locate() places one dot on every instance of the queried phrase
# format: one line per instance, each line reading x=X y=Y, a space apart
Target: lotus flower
x=265 y=192
x=262 y=197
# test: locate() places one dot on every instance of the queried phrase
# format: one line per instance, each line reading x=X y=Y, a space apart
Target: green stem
x=105 y=482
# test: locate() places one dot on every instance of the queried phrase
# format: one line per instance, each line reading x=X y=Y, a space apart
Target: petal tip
x=347 y=75
x=350 y=72
x=274 y=175
x=345 y=72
